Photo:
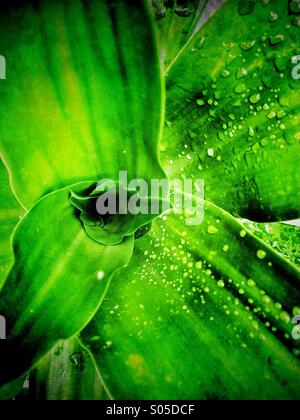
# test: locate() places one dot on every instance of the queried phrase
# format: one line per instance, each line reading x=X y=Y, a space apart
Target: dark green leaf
x=233 y=111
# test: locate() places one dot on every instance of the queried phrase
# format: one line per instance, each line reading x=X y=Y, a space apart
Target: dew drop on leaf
x=243 y=233
x=198 y=265
x=296 y=311
x=200 y=102
x=251 y=283
x=210 y=152
x=261 y=254
x=251 y=132
x=255 y=98
x=100 y=275
x=212 y=230
x=225 y=73
x=277 y=39
x=271 y=115
x=247 y=45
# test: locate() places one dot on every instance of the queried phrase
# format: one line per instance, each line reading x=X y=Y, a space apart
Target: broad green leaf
x=10 y=214
x=201 y=313
x=233 y=111
x=282 y=237
x=56 y=284
x=67 y=373
x=177 y=22
x=83 y=97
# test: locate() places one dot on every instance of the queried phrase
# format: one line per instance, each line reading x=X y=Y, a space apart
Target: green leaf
x=67 y=373
x=284 y=238
x=177 y=23
x=11 y=390
x=10 y=214
x=56 y=284
x=201 y=313
x=233 y=111
x=83 y=97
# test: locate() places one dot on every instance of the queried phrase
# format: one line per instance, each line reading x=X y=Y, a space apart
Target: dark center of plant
x=105 y=215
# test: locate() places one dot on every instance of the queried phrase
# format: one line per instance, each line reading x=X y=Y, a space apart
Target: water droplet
x=78 y=360
x=284 y=316
x=210 y=152
x=251 y=283
x=243 y=233
x=255 y=98
x=199 y=265
x=296 y=311
x=58 y=351
x=261 y=254
x=277 y=39
x=225 y=73
x=161 y=10
x=237 y=103
x=183 y=11
x=240 y=88
x=247 y=45
x=271 y=115
x=100 y=275
x=220 y=283
x=200 y=44
x=251 y=132
x=280 y=114
x=212 y=229
x=241 y=73
x=200 y=102
x=225 y=248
